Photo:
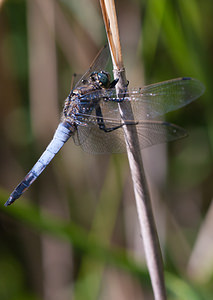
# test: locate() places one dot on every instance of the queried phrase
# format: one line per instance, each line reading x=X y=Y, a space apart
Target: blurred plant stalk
x=143 y=202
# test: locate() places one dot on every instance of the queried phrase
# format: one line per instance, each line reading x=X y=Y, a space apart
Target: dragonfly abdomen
x=62 y=134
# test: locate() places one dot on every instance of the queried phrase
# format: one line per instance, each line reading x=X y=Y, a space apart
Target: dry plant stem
x=143 y=203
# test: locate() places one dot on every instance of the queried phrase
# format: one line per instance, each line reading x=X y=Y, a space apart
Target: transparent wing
x=151 y=101
x=96 y=141
x=98 y=64
x=147 y=103
x=75 y=78
x=89 y=124
x=82 y=134
x=161 y=98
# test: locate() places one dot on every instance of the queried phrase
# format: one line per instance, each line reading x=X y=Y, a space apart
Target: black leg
x=113 y=83
x=99 y=115
x=101 y=124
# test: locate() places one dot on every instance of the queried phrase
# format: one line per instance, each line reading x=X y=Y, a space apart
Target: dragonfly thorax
x=77 y=102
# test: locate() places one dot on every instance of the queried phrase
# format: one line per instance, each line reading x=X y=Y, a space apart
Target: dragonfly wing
x=147 y=103
x=82 y=134
x=157 y=132
x=161 y=98
x=94 y=140
x=87 y=125
x=99 y=142
x=75 y=78
x=151 y=101
x=98 y=64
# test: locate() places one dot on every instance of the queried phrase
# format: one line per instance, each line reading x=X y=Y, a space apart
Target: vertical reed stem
x=143 y=202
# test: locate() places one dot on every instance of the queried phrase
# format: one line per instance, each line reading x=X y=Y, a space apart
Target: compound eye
x=103 y=78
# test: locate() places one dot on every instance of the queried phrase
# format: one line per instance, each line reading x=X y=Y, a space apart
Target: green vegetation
x=75 y=234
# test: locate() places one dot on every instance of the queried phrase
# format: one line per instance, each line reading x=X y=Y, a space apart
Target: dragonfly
x=92 y=117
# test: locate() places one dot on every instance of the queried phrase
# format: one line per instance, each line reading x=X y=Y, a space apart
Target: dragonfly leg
x=102 y=126
x=113 y=83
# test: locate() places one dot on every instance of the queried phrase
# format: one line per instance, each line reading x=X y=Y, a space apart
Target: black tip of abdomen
x=186 y=78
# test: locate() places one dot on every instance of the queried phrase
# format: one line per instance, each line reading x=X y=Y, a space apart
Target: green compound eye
x=104 y=78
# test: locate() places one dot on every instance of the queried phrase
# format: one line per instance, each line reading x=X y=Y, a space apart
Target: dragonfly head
x=102 y=78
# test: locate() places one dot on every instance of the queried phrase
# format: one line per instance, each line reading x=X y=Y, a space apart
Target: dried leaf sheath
x=143 y=203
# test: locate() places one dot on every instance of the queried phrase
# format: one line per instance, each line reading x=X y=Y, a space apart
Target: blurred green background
x=75 y=233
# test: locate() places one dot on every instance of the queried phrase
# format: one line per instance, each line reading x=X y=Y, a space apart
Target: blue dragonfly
x=91 y=115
